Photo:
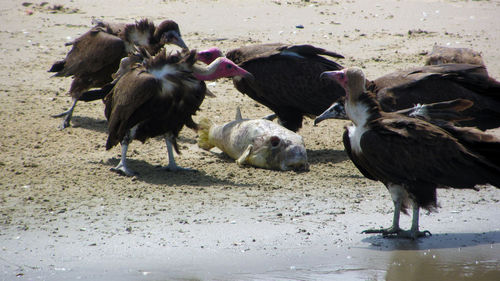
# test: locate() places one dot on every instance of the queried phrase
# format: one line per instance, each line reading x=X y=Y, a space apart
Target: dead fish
x=257 y=142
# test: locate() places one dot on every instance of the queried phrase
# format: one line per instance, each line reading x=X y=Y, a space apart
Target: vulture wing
x=286 y=79
x=125 y=104
x=425 y=154
x=92 y=52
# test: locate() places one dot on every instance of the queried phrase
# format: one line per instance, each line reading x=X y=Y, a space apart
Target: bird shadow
x=157 y=175
x=326 y=156
x=90 y=123
x=436 y=241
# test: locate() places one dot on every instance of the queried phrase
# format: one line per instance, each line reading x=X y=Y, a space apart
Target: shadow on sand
x=154 y=174
x=434 y=242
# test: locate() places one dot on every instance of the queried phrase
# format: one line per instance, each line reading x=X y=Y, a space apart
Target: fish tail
x=203 y=131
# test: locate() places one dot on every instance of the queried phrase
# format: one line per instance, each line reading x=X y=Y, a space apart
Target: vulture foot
x=67 y=114
x=398 y=233
x=124 y=171
x=385 y=231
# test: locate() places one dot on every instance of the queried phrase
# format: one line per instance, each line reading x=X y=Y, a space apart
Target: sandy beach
x=65 y=216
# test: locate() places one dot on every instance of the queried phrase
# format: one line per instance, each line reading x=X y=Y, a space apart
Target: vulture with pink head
x=285 y=79
x=436 y=83
x=410 y=156
x=158 y=97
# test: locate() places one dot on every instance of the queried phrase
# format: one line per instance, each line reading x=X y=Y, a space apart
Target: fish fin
x=238 y=114
x=244 y=156
x=203 y=131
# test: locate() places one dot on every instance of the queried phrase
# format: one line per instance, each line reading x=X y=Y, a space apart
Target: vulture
x=139 y=56
x=286 y=79
x=158 y=97
x=437 y=83
x=410 y=156
x=444 y=55
x=96 y=54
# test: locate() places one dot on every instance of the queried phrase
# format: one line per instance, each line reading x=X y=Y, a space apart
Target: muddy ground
x=65 y=216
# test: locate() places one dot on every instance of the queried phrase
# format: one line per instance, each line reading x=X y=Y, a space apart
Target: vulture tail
x=449 y=111
x=57 y=66
x=98 y=94
x=203 y=131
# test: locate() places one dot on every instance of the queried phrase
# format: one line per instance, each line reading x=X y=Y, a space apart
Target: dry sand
x=65 y=216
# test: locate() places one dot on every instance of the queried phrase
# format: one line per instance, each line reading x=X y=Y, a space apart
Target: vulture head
x=221 y=67
x=209 y=55
x=335 y=111
x=354 y=83
x=351 y=79
x=168 y=33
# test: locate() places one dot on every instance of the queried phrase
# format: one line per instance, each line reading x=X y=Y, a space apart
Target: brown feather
x=286 y=79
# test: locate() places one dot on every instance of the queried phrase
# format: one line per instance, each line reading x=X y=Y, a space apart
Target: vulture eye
x=275 y=141
x=229 y=66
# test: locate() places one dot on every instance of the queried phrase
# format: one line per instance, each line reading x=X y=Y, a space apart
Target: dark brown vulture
x=96 y=54
x=444 y=55
x=437 y=83
x=158 y=97
x=412 y=157
x=286 y=79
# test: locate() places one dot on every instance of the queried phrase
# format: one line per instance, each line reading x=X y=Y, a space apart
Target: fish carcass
x=257 y=142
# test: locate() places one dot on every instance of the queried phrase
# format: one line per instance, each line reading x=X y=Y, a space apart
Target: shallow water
x=445 y=257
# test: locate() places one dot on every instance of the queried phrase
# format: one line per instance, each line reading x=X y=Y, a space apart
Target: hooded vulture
x=158 y=97
x=410 y=156
x=96 y=54
x=286 y=79
x=437 y=83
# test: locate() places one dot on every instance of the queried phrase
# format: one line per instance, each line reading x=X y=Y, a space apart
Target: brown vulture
x=158 y=97
x=96 y=54
x=437 y=83
x=286 y=79
x=410 y=156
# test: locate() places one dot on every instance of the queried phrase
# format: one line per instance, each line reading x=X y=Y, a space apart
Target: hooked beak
x=176 y=39
x=335 y=111
x=331 y=75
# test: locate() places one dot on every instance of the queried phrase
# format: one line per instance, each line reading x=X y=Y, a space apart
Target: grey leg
x=122 y=168
x=68 y=113
x=414 y=233
x=172 y=166
x=394 y=229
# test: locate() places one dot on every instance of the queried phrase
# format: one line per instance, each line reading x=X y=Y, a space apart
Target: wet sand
x=65 y=216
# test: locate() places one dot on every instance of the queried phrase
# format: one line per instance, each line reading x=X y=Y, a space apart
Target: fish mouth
x=297 y=167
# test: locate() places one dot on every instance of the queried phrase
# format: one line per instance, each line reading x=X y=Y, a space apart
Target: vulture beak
x=337 y=75
x=174 y=38
x=247 y=75
x=335 y=111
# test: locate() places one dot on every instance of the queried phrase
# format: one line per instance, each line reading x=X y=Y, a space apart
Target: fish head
x=286 y=154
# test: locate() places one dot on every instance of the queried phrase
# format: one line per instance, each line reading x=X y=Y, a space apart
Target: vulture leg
x=122 y=168
x=68 y=113
x=397 y=200
x=172 y=166
x=414 y=233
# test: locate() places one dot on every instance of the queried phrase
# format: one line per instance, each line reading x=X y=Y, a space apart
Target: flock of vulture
x=414 y=130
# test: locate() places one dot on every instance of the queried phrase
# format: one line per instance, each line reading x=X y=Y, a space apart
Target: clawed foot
x=65 y=122
x=124 y=171
x=398 y=233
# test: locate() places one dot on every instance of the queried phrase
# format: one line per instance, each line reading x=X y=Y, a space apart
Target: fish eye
x=275 y=141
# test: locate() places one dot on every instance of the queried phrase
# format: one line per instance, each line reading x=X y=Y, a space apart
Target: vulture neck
x=206 y=73
x=362 y=107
